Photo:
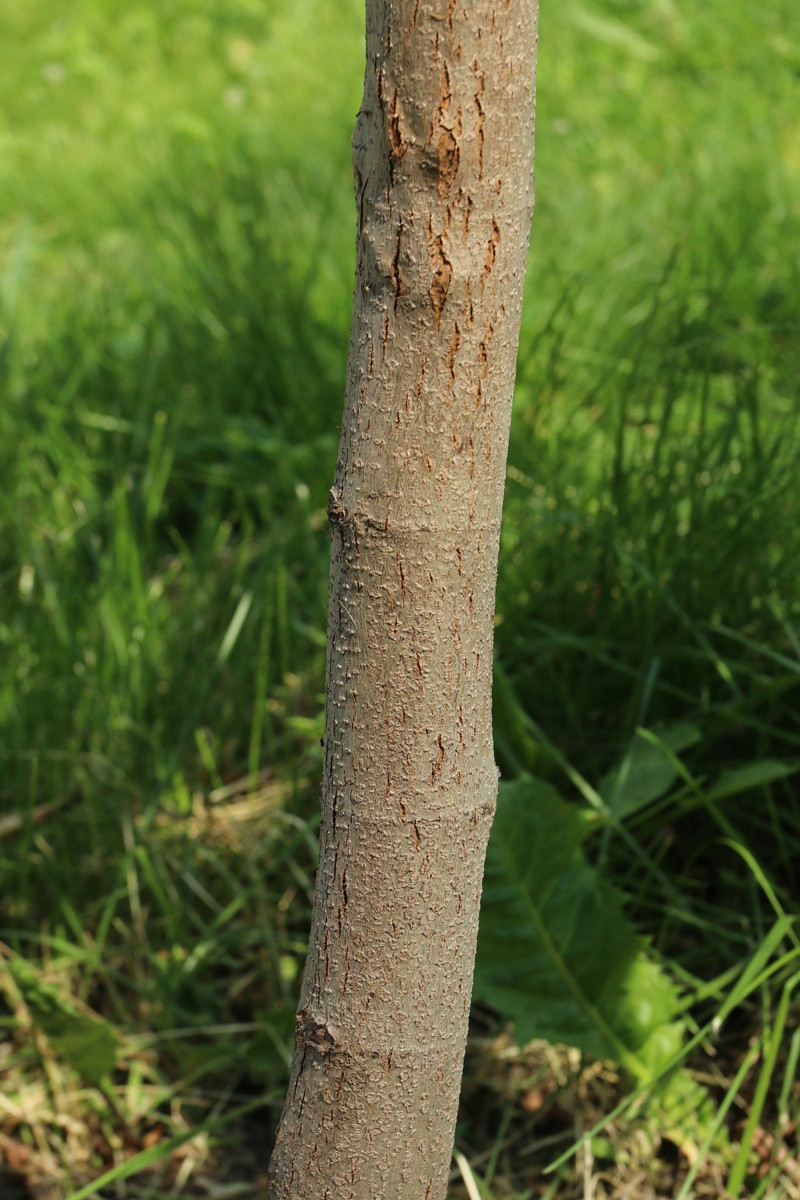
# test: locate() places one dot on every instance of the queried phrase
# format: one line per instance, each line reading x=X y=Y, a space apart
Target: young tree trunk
x=443 y=152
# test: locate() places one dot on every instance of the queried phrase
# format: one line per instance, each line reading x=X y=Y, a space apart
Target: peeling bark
x=443 y=156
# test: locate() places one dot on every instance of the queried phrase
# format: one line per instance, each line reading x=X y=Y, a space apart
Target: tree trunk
x=443 y=152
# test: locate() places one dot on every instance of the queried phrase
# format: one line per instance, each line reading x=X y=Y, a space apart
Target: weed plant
x=176 y=258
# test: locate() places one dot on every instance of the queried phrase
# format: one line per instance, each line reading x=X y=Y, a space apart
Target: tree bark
x=443 y=153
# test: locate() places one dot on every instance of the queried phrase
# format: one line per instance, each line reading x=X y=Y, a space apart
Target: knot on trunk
x=314 y=1034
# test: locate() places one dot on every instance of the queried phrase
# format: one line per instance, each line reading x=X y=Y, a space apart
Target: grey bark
x=443 y=154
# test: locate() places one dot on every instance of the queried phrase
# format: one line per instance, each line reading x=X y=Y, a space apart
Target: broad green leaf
x=86 y=1043
x=752 y=775
x=556 y=953
x=647 y=771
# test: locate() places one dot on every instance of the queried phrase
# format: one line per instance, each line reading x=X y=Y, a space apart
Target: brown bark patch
x=481 y=116
x=468 y=207
x=491 y=250
x=396 y=140
x=442 y=272
x=437 y=766
x=399 y=286
x=449 y=158
x=452 y=351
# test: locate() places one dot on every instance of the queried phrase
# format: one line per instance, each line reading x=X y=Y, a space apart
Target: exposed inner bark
x=443 y=153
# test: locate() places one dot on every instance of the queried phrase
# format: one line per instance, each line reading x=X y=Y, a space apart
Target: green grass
x=176 y=255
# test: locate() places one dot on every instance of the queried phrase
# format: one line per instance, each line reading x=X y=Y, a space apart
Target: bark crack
x=449 y=158
x=399 y=287
x=491 y=252
x=452 y=351
x=479 y=96
x=398 y=144
x=438 y=764
x=442 y=274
